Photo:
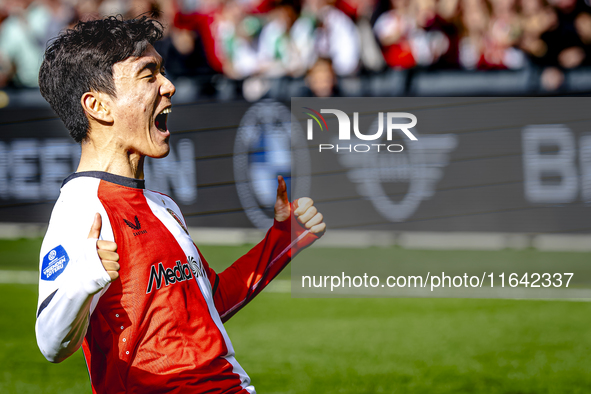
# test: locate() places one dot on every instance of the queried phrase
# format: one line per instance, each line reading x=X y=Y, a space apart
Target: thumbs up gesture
x=305 y=211
x=107 y=250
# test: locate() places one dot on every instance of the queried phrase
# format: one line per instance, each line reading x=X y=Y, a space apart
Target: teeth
x=166 y=111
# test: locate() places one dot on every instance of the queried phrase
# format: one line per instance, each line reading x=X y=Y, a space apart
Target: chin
x=161 y=152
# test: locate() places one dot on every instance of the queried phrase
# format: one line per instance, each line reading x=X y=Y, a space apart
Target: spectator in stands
x=583 y=27
x=181 y=48
x=490 y=37
x=475 y=20
x=324 y=31
x=91 y=9
x=6 y=70
x=361 y=11
x=393 y=29
x=236 y=32
x=536 y=19
x=22 y=41
x=432 y=36
x=412 y=34
x=203 y=22
x=228 y=31
x=564 y=44
x=448 y=22
x=565 y=47
x=502 y=37
x=276 y=51
x=61 y=14
x=254 y=40
x=321 y=79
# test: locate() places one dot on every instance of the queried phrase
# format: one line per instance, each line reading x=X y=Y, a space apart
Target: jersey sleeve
x=238 y=284
x=72 y=279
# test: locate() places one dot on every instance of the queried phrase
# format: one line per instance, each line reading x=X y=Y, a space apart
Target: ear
x=97 y=106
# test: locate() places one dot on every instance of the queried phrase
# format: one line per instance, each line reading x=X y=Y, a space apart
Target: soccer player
x=119 y=273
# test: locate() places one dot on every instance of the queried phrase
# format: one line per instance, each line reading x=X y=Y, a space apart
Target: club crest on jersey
x=178 y=220
x=135 y=226
x=168 y=276
x=54 y=263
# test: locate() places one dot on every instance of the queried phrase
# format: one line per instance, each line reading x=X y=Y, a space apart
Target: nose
x=167 y=88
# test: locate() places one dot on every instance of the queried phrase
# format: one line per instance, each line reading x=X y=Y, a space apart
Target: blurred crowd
x=319 y=40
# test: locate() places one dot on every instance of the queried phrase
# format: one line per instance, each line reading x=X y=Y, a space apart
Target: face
x=141 y=107
x=321 y=79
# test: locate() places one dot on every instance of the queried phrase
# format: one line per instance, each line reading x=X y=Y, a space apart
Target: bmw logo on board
x=264 y=148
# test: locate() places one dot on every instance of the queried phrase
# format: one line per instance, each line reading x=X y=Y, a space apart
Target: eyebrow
x=151 y=65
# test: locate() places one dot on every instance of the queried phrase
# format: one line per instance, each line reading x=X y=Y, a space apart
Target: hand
x=308 y=216
x=107 y=250
x=305 y=211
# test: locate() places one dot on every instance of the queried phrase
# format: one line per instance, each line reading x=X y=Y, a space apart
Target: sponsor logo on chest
x=169 y=276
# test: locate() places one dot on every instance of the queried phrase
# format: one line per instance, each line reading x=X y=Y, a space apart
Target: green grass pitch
x=349 y=345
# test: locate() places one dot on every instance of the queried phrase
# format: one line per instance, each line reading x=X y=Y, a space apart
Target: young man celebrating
x=120 y=275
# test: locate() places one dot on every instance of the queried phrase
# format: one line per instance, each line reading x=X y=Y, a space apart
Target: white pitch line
x=19 y=277
x=32 y=278
x=276 y=286
x=279 y=286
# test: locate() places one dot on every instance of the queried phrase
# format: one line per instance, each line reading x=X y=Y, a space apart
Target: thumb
x=95 y=229
x=282 y=197
x=282 y=209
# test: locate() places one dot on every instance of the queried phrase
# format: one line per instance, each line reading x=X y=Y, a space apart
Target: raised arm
x=296 y=226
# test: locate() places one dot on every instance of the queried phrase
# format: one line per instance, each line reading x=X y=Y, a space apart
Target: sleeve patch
x=54 y=263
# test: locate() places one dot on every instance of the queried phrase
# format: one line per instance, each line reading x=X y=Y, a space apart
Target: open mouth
x=161 y=119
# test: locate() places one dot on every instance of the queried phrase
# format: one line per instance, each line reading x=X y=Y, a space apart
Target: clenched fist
x=107 y=250
x=305 y=211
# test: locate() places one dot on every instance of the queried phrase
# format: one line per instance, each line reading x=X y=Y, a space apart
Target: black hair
x=81 y=59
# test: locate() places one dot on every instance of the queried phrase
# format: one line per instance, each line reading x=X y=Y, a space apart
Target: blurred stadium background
x=251 y=49
x=236 y=64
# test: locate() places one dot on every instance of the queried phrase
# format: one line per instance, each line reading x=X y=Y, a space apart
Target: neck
x=112 y=159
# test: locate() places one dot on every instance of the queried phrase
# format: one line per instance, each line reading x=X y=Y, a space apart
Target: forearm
x=250 y=274
x=62 y=325
x=66 y=304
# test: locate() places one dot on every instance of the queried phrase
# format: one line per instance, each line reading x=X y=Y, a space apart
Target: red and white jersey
x=159 y=327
